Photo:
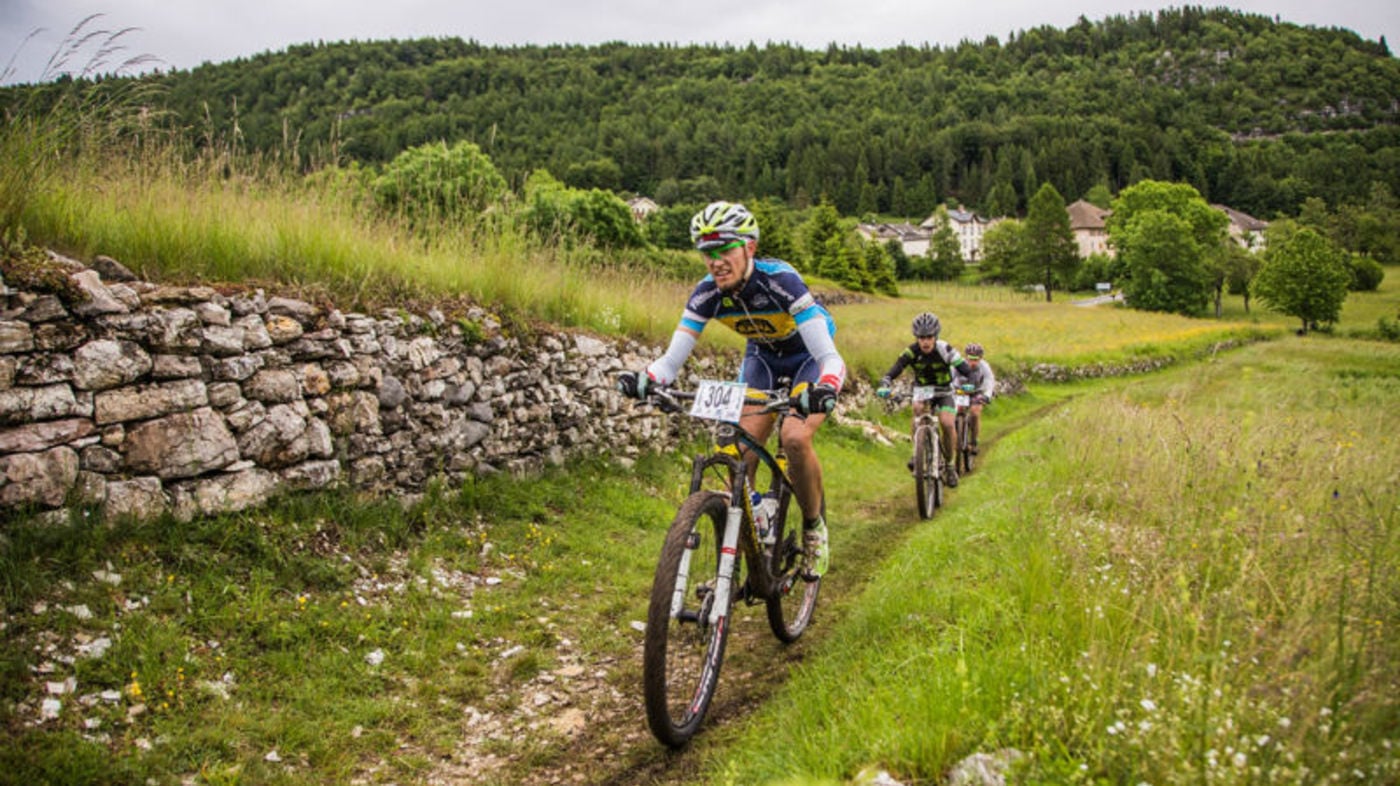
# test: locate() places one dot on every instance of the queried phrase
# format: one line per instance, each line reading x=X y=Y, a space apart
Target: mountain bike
x=963 y=455
x=928 y=465
x=714 y=536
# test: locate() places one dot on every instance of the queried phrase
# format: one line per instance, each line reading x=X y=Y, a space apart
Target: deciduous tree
x=1304 y=277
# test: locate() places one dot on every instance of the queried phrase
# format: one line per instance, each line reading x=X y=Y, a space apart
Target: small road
x=1101 y=299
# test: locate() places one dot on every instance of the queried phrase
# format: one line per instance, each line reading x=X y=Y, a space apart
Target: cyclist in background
x=933 y=361
x=789 y=335
x=980 y=385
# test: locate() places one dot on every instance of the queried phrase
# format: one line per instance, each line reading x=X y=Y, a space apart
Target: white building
x=968 y=226
x=912 y=239
x=1086 y=221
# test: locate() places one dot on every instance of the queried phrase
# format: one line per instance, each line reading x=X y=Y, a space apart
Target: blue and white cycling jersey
x=768 y=311
x=774 y=310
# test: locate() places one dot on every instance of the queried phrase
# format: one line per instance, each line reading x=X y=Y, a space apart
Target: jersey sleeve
x=900 y=363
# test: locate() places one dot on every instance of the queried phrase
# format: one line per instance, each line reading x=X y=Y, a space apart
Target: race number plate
x=722 y=401
x=925 y=392
x=961 y=399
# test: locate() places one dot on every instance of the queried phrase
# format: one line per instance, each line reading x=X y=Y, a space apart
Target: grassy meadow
x=1184 y=578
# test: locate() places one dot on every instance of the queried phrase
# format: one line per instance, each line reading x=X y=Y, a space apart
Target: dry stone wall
x=137 y=398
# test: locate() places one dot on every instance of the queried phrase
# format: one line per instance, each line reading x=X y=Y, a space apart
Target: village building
x=642 y=207
x=967 y=226
x=1245 y=229
x=1086 y=222
x=912 y=239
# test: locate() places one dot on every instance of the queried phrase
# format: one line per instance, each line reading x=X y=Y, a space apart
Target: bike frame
x=928 y=499
x=741 y=531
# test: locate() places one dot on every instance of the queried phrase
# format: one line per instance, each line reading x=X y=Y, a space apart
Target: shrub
x=1366 y=273
x=437 y=181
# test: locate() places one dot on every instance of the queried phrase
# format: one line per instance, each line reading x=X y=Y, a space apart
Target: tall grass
x=1188 y=580
x=45 y=123
x=174 y=220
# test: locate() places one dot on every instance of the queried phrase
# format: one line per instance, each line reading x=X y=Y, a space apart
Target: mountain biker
x=933 y=361
x=789 y=334
x=980 y=384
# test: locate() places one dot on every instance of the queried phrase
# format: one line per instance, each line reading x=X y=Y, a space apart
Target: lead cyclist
x=789 y=334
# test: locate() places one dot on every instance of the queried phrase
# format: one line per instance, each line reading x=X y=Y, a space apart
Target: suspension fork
x=728 y=554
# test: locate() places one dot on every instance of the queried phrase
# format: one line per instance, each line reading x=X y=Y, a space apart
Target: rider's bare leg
x=806 y=468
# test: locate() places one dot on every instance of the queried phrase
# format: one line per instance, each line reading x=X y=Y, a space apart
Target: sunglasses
x=716 y=253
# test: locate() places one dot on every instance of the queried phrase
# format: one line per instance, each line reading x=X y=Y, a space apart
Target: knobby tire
x=965 y=457
x=795 y=598
x=682 y=653
x=928 y=483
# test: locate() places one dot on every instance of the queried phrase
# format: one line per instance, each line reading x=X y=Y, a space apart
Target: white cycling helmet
x=722 y=223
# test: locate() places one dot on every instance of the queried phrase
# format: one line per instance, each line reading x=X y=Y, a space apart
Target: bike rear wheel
x=683 y=649
x=794 y=598
x=964 y=454
x=928 y=483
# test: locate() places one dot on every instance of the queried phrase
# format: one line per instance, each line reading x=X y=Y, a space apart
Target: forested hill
x=1254 y=112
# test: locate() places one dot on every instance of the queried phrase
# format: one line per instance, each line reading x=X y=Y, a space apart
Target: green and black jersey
x=933 y=368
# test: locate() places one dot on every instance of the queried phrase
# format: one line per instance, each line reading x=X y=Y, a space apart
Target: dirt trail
x=615 y=748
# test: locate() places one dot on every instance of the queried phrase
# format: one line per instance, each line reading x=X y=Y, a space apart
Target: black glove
x=817 y=398
x=633 y=384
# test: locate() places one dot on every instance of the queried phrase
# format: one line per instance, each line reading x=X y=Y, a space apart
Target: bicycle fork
x=724 y=580
x=728 y=554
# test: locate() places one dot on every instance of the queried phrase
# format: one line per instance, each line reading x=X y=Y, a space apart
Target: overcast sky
x=185 y=33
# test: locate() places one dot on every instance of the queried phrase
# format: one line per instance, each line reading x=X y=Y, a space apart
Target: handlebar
x=895 y=398
x=669 y=399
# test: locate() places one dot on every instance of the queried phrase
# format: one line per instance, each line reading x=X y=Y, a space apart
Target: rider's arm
x=666 y=368
x=900 y=363
x=698 y=311
x=989 y=381
x=814 y=326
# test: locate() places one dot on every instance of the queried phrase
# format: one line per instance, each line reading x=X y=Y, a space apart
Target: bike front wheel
x=794 y=597
x=928 y=483
x=683 y=648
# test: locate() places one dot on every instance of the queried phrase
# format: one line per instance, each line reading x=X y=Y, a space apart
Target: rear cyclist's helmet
x=722 y=223
x=927 y=324
x=974 y=350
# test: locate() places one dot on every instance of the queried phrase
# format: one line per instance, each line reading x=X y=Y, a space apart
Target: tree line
x=1254 y=113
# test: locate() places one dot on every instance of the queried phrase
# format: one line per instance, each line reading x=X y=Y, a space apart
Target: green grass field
x=1185 y=578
